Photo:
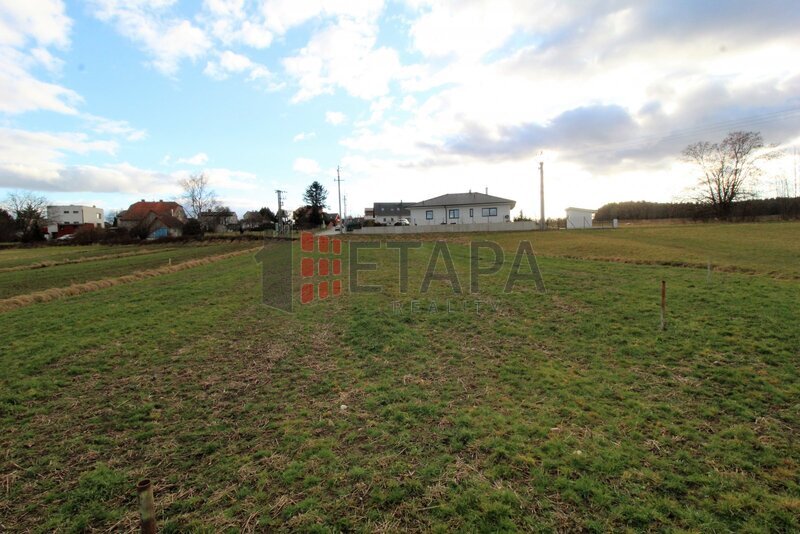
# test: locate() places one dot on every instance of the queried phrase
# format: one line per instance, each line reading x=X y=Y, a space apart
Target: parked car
x=402 y=222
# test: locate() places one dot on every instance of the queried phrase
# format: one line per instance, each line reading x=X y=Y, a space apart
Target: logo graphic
x=323 y=272
x=320 y=271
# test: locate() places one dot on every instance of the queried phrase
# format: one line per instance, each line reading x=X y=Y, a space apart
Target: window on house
x=66 y=211
x=470 y=213
x=98 y=216
x=489 y=212
x=429 y=215
x=453 y=214
x=75 y=212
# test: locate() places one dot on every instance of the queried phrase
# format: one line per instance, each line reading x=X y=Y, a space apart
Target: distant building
x=223 y=220
x=156 y=219
x=462 y=208
x=64 y=220
x=75 y=215
x=579 y=218
x=390 y=212
x=369 y=214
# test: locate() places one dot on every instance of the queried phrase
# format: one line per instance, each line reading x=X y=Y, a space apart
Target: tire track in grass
x=56 y=293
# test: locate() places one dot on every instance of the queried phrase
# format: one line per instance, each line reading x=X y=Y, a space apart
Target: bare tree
x=26 y=207
x=728 y=168
x=198 y=195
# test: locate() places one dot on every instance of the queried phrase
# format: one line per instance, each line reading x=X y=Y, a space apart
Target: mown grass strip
x=56 y=293
x=69 y=261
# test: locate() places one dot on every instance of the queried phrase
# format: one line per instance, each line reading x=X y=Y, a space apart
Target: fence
x=448 y=228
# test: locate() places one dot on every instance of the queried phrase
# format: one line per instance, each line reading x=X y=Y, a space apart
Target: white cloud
x=343 y=55
x=22 y=92
x=468 y=29
x=38 y=161
x=34 y=160
x=231 y=23
x=229 y=62
x=283 y=15
x=306 y=166
x=201 y=158
x=222 y=179
x=303 y=136
x=119 y=128
x=44 y=21
x=168 y=40
x=47 y=60
x=335 y=117
x=26 y=30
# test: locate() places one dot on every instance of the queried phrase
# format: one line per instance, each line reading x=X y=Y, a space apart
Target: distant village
x=470 y=211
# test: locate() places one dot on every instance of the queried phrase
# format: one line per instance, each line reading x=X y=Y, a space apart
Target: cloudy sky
x=108 y=101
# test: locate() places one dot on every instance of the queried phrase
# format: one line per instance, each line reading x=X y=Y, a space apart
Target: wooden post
x=663 y=305
x=147 y=512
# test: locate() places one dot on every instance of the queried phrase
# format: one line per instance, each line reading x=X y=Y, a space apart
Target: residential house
x=155 y=219
x=221 y=220
x=390 y=212
x=462 y=208
x=369 y=214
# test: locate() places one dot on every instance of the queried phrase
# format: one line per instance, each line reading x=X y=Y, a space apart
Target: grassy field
x=94 y=263
x=562 y=411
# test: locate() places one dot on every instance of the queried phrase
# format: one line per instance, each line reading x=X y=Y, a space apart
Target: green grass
x=561 y=411
x=20 y=256
x=765 y=248
x=20 y=282
x=762 y=248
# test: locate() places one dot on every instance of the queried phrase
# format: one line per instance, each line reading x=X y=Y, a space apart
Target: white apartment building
x=75 y=215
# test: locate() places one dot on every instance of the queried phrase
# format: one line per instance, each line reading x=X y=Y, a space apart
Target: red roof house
x=159 y=219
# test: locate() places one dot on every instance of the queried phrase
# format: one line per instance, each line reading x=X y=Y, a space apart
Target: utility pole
x=344 y=215
x=541 y=194
x=339 y=186
x=279 y=215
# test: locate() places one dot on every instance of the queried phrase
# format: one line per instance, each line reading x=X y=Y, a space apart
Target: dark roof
x=393 y=209
x=169 y=221
x=461 y=199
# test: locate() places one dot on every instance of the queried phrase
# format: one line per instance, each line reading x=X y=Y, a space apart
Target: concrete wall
x=440 y=214
x=447 y=228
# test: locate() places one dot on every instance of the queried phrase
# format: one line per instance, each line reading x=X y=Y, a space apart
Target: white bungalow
x=461 y=208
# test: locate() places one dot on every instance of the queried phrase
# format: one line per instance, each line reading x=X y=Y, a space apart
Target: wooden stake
x=147 y=513
x=663 y=305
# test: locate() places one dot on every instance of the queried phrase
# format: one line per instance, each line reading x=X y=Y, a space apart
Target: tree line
x=785 y=208
x=727 y=173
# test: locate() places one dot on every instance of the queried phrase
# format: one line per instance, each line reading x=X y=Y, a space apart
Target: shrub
x=193 y=228
x=87 y=235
